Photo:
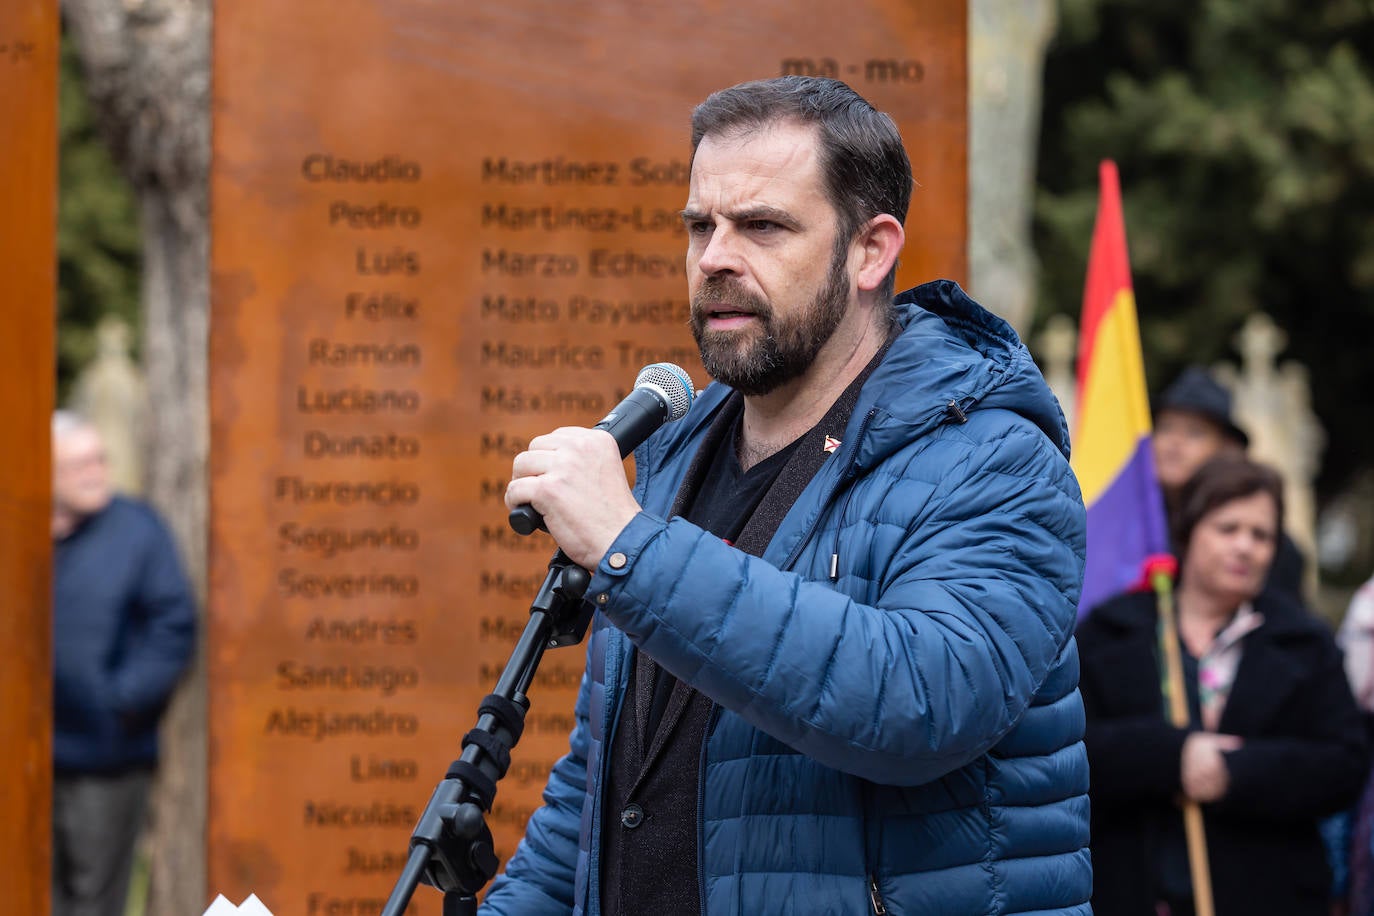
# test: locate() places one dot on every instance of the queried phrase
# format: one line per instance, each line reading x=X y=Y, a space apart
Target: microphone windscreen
x=673 y=383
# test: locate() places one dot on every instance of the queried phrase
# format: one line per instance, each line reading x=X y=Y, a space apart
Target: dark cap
x=1195 y=391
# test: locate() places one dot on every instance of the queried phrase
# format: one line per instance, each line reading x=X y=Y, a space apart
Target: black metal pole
x=450 y=847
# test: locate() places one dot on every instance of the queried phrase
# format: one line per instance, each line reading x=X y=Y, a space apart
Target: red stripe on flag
x=1109 y=269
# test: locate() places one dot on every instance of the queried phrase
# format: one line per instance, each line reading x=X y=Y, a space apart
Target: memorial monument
x=438 y=232
x=28 y=190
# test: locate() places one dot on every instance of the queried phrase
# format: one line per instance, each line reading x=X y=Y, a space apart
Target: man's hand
x=1202 y=768
x=575 y=478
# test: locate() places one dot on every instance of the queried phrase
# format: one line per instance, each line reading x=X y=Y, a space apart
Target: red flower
x=1152 y=568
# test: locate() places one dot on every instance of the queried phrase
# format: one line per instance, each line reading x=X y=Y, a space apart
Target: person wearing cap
x=1194 y=424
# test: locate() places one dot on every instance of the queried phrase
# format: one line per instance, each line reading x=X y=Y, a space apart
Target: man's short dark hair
x=865 y=165
x=1219 y=481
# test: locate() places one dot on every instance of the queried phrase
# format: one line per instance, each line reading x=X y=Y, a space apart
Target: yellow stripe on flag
x=1113 y=407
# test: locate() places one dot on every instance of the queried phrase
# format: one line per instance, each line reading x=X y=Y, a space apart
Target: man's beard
x=755 y=364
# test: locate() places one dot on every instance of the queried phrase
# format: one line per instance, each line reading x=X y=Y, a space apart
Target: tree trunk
x=1007 y=43
x=147 y=67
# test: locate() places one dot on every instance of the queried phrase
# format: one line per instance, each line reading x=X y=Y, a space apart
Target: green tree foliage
x=97 y=230
x=1244 y=134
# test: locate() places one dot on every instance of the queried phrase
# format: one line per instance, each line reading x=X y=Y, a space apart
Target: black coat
x=1304 y=757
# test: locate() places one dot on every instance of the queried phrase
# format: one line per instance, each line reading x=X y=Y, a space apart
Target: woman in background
x=1274 y=742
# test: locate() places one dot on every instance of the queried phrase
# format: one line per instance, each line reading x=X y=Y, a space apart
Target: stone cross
x=1273 y=404
x=111 y=394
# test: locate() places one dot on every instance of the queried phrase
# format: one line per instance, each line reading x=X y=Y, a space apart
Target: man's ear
x=878 y=243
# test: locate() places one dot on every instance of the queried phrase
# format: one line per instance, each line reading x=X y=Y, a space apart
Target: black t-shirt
x=723 y=506
x=649 y=845
x=650 y=863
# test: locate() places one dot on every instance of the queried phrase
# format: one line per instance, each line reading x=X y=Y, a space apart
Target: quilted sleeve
x=961 y=560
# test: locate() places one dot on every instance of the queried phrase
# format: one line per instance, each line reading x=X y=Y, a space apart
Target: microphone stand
x=451 y=847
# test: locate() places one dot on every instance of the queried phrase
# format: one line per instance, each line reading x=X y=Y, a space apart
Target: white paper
x=221 y=907
x=250 y=907
x=253 y=907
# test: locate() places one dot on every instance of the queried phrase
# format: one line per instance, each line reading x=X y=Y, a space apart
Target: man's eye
x=762 y=225
x=698 y=227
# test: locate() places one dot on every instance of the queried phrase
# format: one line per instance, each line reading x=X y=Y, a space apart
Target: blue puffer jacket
x=909 y=728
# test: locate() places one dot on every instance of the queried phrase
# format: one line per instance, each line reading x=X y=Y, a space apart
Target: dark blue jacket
x=124 y=628
x=908 y=727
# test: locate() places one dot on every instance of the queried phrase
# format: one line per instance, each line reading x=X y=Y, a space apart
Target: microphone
x=662 y=394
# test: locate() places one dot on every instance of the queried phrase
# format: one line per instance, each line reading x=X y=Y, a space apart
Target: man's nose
x=721 y=254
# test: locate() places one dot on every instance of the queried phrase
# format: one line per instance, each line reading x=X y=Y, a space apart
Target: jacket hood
x=953 y=357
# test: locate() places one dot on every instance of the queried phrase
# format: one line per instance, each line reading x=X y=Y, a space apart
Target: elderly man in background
x=123 y=632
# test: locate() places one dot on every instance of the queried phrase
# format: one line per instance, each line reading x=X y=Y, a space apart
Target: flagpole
x=1111 y=436
x=1193 y=828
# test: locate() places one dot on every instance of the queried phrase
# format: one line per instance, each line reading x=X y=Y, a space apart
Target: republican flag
x=1111 y=437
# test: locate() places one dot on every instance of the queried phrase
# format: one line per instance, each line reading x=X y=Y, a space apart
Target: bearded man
x=832 y=667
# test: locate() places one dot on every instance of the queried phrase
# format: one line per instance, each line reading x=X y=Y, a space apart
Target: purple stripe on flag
x=1125 y=525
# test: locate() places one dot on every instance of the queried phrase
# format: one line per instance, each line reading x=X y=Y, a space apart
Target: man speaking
x=832 y=668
